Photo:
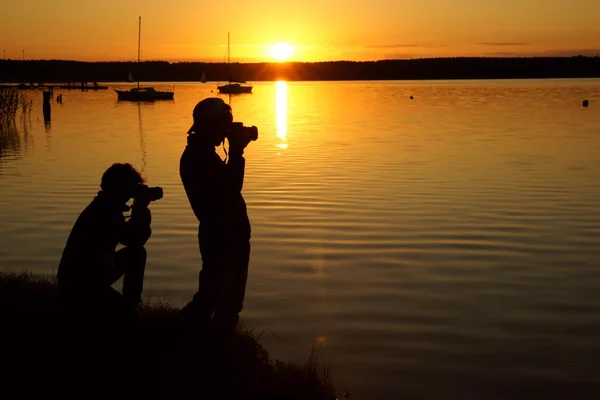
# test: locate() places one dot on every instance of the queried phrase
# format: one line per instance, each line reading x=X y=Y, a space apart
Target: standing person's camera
x=238 y=130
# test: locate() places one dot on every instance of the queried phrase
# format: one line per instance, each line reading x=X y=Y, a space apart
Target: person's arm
x=234 y=172
x=236 y=165
x=137 y=231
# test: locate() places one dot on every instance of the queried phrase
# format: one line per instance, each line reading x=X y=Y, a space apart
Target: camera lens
x=253 y=133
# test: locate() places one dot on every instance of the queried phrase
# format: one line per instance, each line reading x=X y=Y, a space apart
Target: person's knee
x=141 y=253
x=136 y=253
x=227 y=315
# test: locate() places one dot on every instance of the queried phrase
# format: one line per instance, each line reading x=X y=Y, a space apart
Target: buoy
x=586 y=103
x=411 y=97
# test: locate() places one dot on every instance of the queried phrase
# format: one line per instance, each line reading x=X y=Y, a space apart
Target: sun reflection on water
x=281 y=112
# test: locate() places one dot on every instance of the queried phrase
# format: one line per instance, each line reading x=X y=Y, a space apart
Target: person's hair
x=120 y=176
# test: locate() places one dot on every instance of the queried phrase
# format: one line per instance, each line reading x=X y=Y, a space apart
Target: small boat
x=142 y=93
x=233 y=87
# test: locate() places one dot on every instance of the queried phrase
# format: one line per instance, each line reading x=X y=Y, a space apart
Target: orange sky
x=319 y=29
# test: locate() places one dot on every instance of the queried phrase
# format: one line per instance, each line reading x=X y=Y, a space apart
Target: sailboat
x=233 y=87
x=143 y=93
x=130 y=79
x=203 y=80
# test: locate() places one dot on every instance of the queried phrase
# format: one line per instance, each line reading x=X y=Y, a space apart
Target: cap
x=209 y=109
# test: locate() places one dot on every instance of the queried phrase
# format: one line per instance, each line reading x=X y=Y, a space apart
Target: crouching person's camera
x=145 y=194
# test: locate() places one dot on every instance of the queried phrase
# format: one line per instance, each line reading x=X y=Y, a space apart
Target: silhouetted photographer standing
x=213 y=187
x=90 y=263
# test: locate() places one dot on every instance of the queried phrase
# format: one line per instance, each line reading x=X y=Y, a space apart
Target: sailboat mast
x=139 y=44
x=229 y=56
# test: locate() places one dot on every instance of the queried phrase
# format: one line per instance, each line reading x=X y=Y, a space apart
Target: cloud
x=391 y=46
x=569 y=53
x=403 y=46
x=546 y=53
x=502 y=44
x=376 y=46
x=501 y=53
x=398 y=56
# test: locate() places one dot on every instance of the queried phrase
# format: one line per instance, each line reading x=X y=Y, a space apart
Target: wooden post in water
x=46 y=107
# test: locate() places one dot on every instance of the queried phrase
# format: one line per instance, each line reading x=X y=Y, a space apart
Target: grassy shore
x=49 y=352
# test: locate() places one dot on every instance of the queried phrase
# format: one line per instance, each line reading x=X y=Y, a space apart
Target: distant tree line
x=430 y=68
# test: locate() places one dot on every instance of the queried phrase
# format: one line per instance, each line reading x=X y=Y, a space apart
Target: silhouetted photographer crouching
x=213 y=187
x=90 y=263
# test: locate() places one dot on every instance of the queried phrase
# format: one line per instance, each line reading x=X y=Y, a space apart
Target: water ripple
x=445 y=247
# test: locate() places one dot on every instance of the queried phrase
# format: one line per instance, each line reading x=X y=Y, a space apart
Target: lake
x=442 y=247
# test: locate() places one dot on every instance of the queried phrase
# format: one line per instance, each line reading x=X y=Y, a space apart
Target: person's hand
x=238 y=142
x=141 y=213
x=140 y=203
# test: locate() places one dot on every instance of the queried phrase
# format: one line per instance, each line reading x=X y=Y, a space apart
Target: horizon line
x=305 y=62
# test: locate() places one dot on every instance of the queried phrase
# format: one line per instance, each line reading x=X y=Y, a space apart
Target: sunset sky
x=186 y=30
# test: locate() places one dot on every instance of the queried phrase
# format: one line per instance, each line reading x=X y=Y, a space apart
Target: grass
x=49 y=353
x=12 y=101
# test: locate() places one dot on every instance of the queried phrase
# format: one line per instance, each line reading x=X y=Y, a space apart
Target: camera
x=146 y=194
x=238 y=129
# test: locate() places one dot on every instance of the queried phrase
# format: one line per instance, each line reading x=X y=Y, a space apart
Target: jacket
x=214 y=190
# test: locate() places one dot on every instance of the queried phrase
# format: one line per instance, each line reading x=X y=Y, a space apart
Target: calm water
x=444 y=247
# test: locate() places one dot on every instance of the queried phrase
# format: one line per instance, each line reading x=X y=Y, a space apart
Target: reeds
x=13 y=102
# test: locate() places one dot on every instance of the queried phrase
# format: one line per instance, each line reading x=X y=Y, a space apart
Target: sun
x=281 y=51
